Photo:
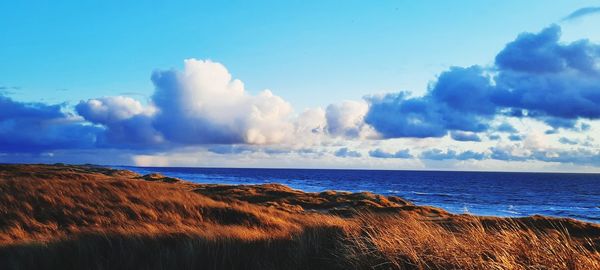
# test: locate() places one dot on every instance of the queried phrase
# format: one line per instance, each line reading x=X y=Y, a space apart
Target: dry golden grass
x=408 y=242
x=84 y=217
x=61 y=215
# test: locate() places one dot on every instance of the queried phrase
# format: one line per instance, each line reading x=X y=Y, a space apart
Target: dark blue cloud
x=585 y=127
x=579 y=157
x=504 y=155
x=456 y=102
x=515 y=137
x=557 y=123
x=8 y=90
x=29 y=110
x=345 y=152
x=506 y=127
x=125 y=125
x=565 y=140
x=494 y=137
x=71 y=156
x=379 y=153
x=437 y=154
x=33 y=127
x=582 y=12
x=236 y=149
x=136 y=132
x=464 y=136
x=396 y=116
x=533 y=53
x=535 y=76
x=471 y=155
x=30 y=127
x=555 y=82
x=230 y=149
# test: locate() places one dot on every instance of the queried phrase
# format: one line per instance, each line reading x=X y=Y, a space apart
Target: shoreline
x=453 y=203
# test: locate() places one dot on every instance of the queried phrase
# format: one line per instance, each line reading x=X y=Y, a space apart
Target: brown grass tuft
x=408 y=242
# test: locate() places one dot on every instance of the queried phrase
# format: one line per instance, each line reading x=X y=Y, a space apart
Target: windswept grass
x=83 y=220
x=74 y=217
x=408 y=242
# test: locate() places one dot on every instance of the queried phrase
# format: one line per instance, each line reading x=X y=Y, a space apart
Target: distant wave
x=512 y=212
x=575 y=216
x=437 y=194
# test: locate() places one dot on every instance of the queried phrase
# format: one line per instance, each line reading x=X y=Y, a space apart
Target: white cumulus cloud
x=347 y=119
x=204 y=104
x=111 y=109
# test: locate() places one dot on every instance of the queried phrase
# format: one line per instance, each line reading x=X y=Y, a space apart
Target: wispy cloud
x=32 y=127
x=345 y=152
x=379 y=153
x=8 y=90
x=582 y=12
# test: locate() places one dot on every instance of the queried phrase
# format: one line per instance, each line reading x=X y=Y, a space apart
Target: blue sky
x=336 y=49
x=311 y=54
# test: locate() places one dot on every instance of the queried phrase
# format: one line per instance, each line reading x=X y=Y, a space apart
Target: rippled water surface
x=482 y=193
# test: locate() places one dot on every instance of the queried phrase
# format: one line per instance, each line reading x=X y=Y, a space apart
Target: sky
x=461 y=85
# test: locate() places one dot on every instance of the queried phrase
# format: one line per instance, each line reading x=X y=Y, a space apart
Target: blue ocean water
x=480 y=193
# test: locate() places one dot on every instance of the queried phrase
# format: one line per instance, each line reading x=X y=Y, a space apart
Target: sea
x=505 y=194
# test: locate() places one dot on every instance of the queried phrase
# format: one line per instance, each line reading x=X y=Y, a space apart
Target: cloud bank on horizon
x=476 y=113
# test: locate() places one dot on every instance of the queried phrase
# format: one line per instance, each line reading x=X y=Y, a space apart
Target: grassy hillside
x=87 y=217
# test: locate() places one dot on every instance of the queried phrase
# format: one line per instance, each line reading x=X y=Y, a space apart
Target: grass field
x=86 y=217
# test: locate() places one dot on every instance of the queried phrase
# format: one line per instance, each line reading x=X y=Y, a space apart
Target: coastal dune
x=90 y=217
